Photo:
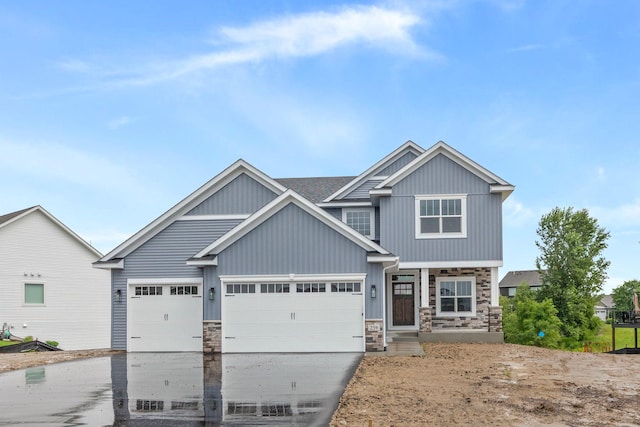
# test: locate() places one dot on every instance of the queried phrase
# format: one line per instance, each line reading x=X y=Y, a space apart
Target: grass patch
x=624 y=337
x=6 y=343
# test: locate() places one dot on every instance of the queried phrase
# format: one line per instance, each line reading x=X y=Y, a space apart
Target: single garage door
x=164 y=317
x=293 y=317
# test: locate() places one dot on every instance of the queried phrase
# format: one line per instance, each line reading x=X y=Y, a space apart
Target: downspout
x=393 y=266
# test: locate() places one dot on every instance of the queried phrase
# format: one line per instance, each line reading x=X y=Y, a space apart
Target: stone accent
x=374 y=335
x=426 y=314
x=495 y=319
x=212 y=336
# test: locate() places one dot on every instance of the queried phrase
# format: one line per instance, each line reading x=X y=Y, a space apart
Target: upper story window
x=441 y=216
x=361 y=220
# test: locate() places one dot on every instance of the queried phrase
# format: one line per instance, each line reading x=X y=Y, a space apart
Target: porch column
x=495 y=290
x=424 y=287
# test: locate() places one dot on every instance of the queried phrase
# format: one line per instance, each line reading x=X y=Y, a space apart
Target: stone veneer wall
x=481 y=321
x=374 y=335
x=212 y=336
x=495 y=319
x=426 y=314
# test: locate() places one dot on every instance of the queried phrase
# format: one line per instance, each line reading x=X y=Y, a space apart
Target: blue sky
x=112 y=112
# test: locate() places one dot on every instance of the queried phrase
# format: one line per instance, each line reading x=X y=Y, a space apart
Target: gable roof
x=408 y=146
x=189 y=202
x=18 y=215
x=513 y=278
x=266 y=212
x=498 y=185
x=316 y=189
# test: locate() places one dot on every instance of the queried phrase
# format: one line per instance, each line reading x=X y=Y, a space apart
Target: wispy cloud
x=293 y=36
x=620 y=216
x=526 y=48
x=516 y=214
x=120 y=122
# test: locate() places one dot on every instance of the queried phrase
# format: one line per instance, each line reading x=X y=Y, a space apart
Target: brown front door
x=403 y=300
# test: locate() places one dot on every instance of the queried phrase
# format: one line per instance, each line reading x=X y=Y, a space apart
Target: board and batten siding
x=337 y=213
x=243 y=195
x=163 y=256
x=394 y=167
x=77 y=297
x=362 y=191
x=442 y=176
x=293 y=242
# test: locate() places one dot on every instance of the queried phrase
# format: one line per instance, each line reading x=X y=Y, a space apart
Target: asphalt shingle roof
x=513 y=278
x=7 y=217
x=316 y=189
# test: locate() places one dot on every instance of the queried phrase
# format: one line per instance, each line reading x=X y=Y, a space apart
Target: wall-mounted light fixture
x=212 y=294
x=117 y=296
x=373 y=291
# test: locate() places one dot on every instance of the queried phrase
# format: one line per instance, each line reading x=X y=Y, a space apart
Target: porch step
x=410 y=336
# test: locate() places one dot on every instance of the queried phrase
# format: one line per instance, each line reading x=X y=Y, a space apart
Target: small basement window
x=34 y=293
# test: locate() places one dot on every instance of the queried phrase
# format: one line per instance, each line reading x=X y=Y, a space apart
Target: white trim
x=424 y=287
x=416 y=301
x=288 y=278
x=495 y=288
x=205 y=191
x=55 y=221
x=442 y=148
x=450 y=264
x=471 y=313
x=44 y=293
x=344 y=204
x=462 y=234
x=203 y=262
x=408 y=146
x=165 y=281
x=372 y=219
x=380 y=192
x=116 y=265
x=270 y=209
x=212 y=217
x=506 y=190
x=378 y=177
x=383 y=258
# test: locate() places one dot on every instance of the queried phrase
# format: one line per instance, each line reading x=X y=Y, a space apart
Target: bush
x=28 y=338
x=52 y=343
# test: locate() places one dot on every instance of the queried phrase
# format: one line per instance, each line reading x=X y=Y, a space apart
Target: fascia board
x=203 y=192
x=505 y=190
x=276 y=205
x=203 y=262
x=344 y=204
x=454 y=155
x=407 y=146
x=110 y=265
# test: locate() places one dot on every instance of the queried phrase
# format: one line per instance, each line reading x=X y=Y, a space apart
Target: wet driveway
x=179 y=389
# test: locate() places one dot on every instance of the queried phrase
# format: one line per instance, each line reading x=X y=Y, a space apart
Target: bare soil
x=12 y=361
x=493 y=384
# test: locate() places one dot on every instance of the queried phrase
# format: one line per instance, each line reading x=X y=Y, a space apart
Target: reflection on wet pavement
x=179 y=389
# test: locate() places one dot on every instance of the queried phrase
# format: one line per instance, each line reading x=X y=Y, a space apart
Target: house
x=605 y=307
x=513 y=279
x=248 y=263
x=50 y=291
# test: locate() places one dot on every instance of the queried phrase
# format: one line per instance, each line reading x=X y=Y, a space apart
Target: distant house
x=513 y=279
x=48 y=287
x=248 y=263
x=604 y=307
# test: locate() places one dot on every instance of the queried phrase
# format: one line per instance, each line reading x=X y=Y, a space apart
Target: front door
x=403 y=300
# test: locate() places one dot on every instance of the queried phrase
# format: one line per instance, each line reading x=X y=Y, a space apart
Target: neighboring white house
x=48 y=287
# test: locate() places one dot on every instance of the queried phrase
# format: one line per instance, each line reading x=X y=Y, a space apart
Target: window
x=345 y=287
x=310 y=287
x=274 y=288
x=443 y=216
x=182 y=290
x=149 y=290
x=361 y=220
x=34 y=293
x=241 y=288
x=456 y=296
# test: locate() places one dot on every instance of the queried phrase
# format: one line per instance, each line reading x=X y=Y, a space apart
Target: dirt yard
x=12 y=361
x=493 y=384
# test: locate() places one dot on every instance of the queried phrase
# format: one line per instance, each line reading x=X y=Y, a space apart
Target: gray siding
x=397 y=165
x=362 y=191
x=442 y=176
x=163 y=256
x=292 y=241
x=335 y=212
x=243 y=195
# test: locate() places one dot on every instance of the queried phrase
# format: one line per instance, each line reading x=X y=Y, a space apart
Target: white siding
x=76 y=312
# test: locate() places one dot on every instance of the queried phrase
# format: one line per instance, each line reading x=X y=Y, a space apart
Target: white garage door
x=293 y=317
x=164 y=317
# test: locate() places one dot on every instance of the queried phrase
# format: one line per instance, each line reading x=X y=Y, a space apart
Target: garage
x=164 y=315
x=304 y=316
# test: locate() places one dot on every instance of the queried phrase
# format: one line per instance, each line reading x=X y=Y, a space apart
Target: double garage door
x=292 y=317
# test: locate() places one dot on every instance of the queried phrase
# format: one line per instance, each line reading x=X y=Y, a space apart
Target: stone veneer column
x=212 y=336
x=495 y=319
x=425 y=319
x=374 y=335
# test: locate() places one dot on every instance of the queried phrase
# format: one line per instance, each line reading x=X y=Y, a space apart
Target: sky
x=112 y=112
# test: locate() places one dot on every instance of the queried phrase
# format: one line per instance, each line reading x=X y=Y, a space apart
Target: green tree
x=528 y=321
x=623 y=295
x=572 y=269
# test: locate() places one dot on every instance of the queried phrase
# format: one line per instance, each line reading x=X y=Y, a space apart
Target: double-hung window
x=361 y=220
x=441 y=216
x=455 y=296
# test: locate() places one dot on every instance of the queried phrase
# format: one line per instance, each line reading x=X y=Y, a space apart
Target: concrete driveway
x=179 y=389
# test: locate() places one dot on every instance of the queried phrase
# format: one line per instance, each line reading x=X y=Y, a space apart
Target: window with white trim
x=241 y=288
x=34 y=293
x=455 y=296
x=361 y=220
x=441 y=216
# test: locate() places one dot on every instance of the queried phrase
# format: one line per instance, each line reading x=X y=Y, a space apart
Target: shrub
x=28 y=338
x=52 y=343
